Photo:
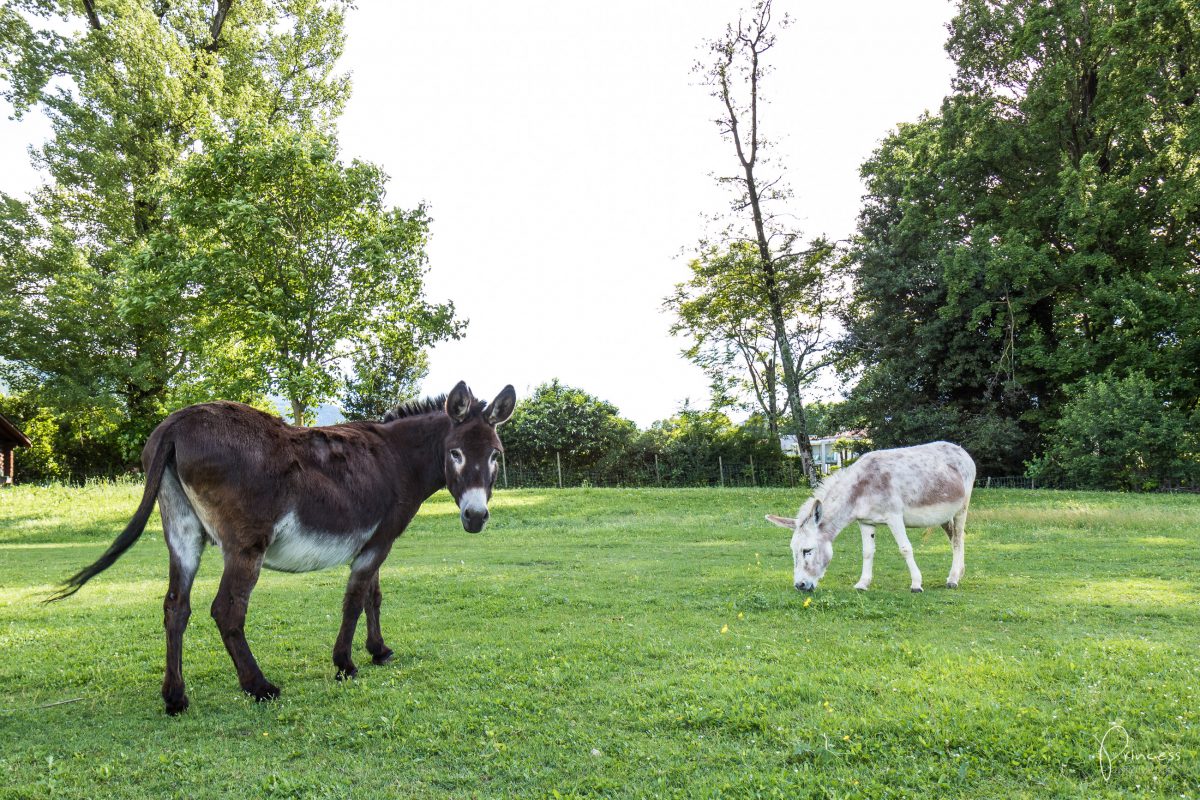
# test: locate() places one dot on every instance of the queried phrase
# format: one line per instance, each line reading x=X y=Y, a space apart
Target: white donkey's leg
x=868 y=537
x=906 y=550
x=958 y=528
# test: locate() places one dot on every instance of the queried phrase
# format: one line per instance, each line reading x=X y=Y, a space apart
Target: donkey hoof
x=346 y=673
x=382 y=657
x=917 y=590
x=862 y=587
x=263 y=691
x=951 y=584
x=176 y=705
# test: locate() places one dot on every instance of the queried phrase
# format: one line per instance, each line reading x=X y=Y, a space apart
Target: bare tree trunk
x=756 y=44
x=772 y=402
x=298 y=412
x=93 y=20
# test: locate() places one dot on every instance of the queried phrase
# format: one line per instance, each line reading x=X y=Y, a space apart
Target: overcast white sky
x=565 y=149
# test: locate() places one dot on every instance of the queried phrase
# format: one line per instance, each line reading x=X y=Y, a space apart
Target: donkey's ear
x=502 y=407
x=782 y=522
x=806 y=510
x=459 y=402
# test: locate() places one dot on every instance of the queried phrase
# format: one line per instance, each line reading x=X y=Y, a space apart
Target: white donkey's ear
x=459 y=402
x=502 y=407
x=782 y=522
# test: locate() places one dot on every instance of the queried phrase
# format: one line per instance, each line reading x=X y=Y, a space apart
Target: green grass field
x=619 y=643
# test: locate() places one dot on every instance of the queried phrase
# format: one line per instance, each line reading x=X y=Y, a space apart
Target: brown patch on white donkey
x=268 y=494
x=915 y=487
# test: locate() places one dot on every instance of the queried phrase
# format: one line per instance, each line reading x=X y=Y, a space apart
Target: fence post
x=657 y=474
x=558 y=460
x=721 y=469
x=504 y=468
x=753 y=482
x=989 y=482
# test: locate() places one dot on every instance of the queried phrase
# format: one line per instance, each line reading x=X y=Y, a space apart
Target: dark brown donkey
x=301 y=499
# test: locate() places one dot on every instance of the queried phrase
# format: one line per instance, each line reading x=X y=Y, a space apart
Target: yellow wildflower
x=724 y=629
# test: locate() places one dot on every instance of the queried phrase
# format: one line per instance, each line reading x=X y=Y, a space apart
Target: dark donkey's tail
x=162 y=453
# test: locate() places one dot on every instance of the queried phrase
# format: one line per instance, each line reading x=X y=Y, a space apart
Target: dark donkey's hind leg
x=229 y=610
x=185 y=541
x=380 y=652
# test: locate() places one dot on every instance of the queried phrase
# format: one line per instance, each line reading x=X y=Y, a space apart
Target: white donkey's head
x=811 y=550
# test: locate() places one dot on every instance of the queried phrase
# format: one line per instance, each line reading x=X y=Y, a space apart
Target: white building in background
x=830 y=452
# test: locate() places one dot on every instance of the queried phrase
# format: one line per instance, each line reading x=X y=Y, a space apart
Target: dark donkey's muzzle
x=473 y=521
x=473 y=510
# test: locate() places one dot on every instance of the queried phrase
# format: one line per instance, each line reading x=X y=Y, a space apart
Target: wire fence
x=652 y=472
x=1009 y=482
x=665 y=473
x=1025 y=482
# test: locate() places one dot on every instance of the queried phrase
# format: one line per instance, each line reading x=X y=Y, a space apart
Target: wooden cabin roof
x=10 y=434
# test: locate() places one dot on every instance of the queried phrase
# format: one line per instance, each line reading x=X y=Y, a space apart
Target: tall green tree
x=1040 y=229
x=735 y=72
x=927 y=367
x=296 y=254
x=93 y=314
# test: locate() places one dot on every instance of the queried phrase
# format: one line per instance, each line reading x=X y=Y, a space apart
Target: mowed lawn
x=625 y=643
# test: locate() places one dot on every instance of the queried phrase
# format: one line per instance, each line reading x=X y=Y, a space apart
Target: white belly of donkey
x=297 y=548
x=925 y=516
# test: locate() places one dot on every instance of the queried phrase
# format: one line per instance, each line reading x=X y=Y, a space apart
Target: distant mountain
x=326 y=414
x=329 y=415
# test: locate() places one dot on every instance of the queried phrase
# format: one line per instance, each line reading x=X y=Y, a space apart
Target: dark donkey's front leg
x=362 y=593
x=229 y=610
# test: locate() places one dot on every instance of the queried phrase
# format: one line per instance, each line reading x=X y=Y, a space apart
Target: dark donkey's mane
x=428 y=405
x=415 y=408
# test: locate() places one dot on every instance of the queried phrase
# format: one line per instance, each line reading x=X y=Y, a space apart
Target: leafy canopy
x=295 y=254
x=97 y=316
x=1041 y=229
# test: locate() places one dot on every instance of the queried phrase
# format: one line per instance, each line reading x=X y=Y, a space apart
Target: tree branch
x=93 y=20
x=218 y=23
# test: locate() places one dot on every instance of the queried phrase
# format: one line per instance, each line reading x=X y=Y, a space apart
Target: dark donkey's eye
x=495 y=456
x=806 y=553
x=457 y=456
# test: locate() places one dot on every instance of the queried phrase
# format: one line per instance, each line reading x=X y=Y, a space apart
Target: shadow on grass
x=36 y=528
